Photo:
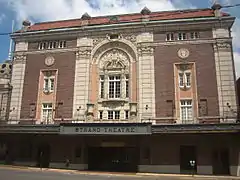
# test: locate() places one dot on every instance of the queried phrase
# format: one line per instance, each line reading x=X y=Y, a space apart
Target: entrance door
x=116 y=159
x=220 y=159
x=187 y=154
x=43 y=156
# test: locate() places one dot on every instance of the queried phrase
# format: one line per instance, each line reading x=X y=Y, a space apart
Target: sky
x=45 y=10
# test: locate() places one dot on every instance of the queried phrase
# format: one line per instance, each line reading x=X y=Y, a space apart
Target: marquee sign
x=116 y=129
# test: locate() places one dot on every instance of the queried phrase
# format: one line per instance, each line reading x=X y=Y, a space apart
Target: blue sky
x=42 y=10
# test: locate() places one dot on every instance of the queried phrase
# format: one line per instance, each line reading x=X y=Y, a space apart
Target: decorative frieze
x=223 y=45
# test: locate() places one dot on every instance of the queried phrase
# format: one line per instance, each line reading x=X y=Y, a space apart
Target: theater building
x=143 y=92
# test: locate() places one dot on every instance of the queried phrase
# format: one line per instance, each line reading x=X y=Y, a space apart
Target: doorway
x=114 y=159
x=187 y=154
x=43 y=156
x=220 y=160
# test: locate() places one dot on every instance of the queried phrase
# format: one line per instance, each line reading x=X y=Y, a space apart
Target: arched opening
x=113 y=81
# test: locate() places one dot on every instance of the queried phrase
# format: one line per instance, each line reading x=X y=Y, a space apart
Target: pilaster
x=17 y=81
x=81 y=82
x=146 y=77
x=225 y=75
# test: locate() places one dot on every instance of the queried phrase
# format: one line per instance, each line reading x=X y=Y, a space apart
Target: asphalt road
x=37 y=174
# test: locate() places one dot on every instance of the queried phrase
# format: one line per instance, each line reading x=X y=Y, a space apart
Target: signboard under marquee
x=110 y=129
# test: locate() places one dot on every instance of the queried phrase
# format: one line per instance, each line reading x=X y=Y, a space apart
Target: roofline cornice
x=162 y=25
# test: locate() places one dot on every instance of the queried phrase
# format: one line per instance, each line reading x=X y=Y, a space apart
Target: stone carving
x=145 y=50
x=183 y=53
x=21 y=58
x=49 y=61
x=113 y=59
x=223 y=45
x=116 y=45
x=131 y=37
x=97 y=40
x=83 y=52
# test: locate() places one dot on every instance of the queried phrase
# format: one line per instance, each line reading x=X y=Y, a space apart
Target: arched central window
x=114 y=76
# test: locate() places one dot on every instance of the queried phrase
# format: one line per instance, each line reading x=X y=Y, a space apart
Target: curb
x=118 y=174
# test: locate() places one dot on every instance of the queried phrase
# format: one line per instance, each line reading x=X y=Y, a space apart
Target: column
x=17 y=82
x=81 y=82
x=146 y=77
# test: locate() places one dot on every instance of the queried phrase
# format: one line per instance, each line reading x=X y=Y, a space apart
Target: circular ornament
x=183 y=53
x=49 y=61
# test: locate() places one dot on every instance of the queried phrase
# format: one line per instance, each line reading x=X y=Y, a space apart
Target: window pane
x=126 y=114
x=117 y=115
x=118 y=89
x=181 y=79
x=111 y=90
x=110 y=114
x=52 y=84
x=188 y=79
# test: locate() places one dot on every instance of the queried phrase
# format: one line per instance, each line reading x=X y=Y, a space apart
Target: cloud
x=237 y=64
x=2 y=16
x=46 y=10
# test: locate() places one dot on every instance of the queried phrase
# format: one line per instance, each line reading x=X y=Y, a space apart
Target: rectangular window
x=42 y=45
x=194 y=35
x=110 y=114
x=100 y=114
x=127 y=86
x=184 y=79
x=48 y=84
x=62 y=44
x=181 y=79
x=126 y=114
x=170 y=37
x=113 y=114
x=52 y=45
x=47 y=112
x=116 y=114
x=114 y=88
x=186 y=111
x=101 y=86
x=188 y=79
x=182 y=36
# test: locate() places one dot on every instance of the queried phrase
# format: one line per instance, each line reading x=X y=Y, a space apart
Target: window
x=52 y=45
x=110 y=114
x=126 y=114
x=101 y=86
x=170 y=37
x=42 y=45
x=100 y=115
x=47 y=112
x=113 y=114
x=186 y=111
x=114 y=88
x=62 y=44
x=194 y=35
x=48 y=84
x=182 y=36
x=185 y=79
x=127 y=86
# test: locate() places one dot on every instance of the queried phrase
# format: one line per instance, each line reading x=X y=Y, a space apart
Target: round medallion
x=49 y=60
x=183 y=53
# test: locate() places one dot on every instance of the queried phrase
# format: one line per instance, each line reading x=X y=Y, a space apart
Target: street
x=37 y=174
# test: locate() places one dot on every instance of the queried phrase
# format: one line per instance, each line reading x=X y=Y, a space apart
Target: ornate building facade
x=133 y=74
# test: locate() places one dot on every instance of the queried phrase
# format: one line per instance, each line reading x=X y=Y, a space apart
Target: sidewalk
x=180 y=176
